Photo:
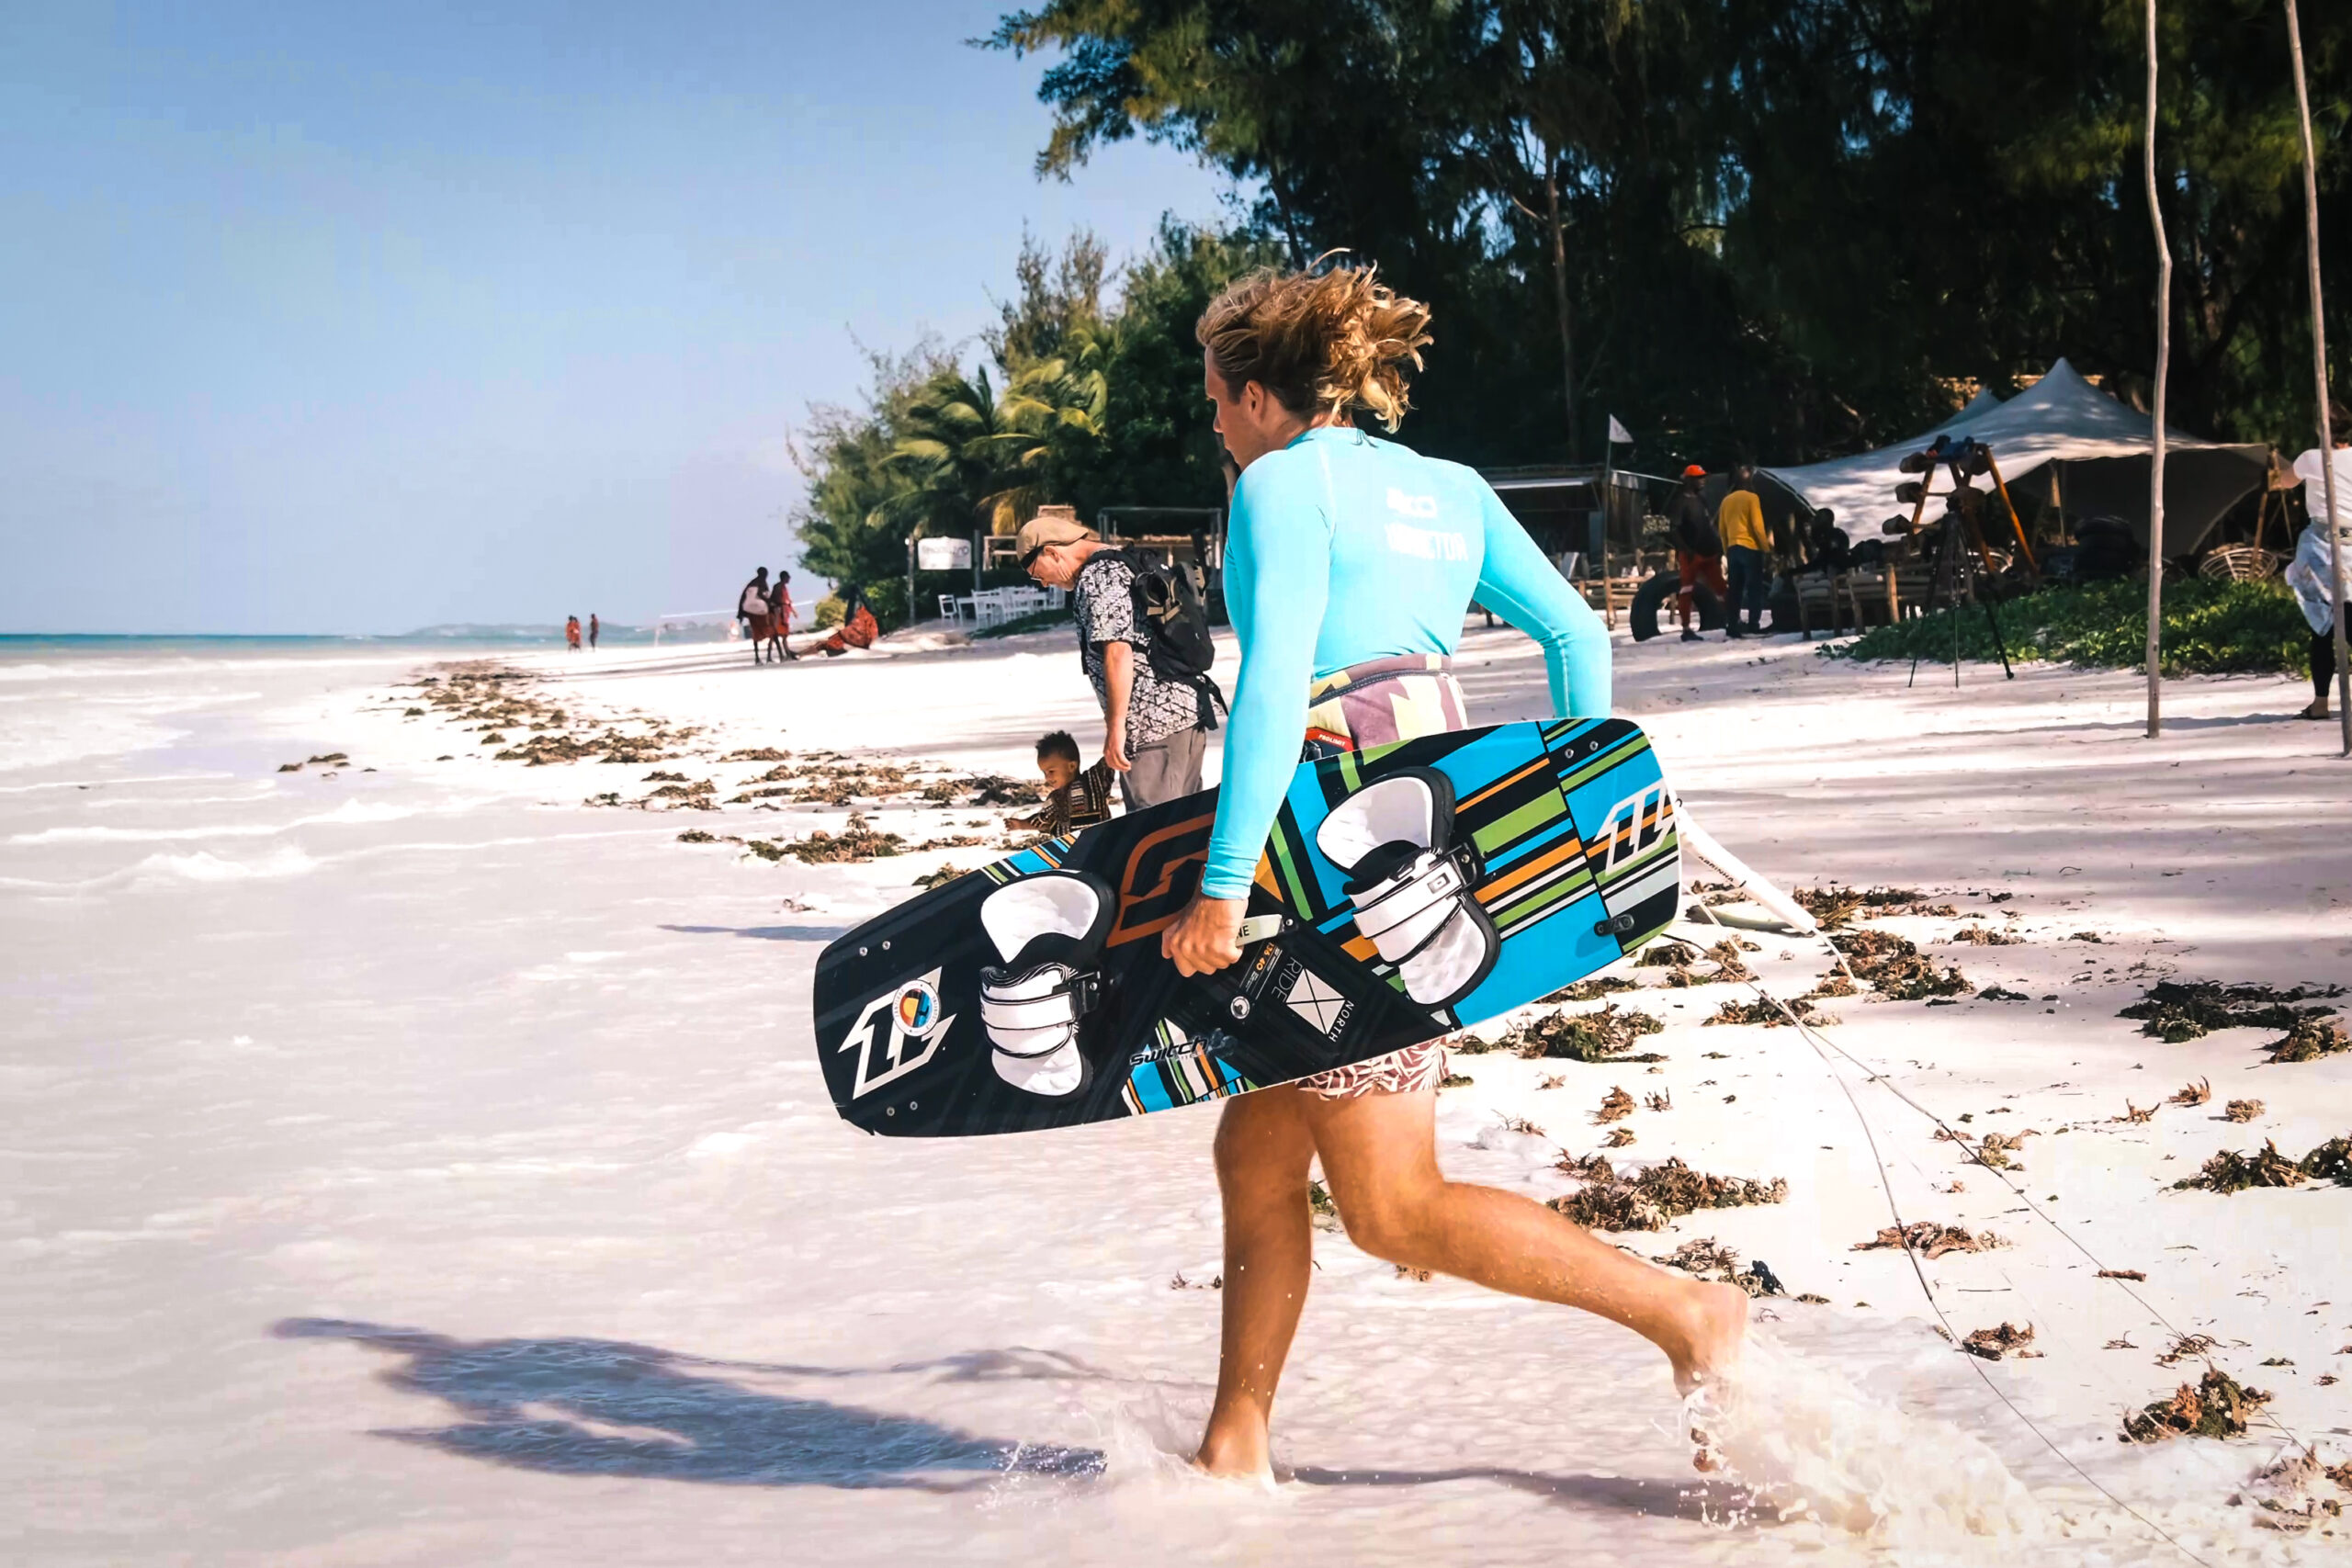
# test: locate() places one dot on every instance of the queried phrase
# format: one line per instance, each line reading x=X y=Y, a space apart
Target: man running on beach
x=1351 y=563
x=595 y=627
x=1152 y=736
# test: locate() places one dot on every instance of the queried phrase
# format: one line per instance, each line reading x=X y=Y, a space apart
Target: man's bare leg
x=1380 y=1155
x=1262 y=1153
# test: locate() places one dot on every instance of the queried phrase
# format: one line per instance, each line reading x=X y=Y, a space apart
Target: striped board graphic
x=1578 y=861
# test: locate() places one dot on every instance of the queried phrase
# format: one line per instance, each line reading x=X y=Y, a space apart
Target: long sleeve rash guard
x=1344 y=548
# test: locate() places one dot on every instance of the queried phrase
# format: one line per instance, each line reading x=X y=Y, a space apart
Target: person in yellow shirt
x=1739 y=521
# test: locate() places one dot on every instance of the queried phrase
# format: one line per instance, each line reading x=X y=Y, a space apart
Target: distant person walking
x=752 y=609
x=1747 y=548
x=1698 y=552
x=1151 y=727
x=2309 y=573
x=780 y=616
x=595 y=627
x=571 y=634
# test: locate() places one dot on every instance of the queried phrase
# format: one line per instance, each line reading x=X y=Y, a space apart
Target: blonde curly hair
x=1339 y=341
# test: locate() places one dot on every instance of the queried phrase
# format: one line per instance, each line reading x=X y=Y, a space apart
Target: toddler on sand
x=1074 y=798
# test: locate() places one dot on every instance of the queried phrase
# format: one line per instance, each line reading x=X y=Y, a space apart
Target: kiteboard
x=1406 y=891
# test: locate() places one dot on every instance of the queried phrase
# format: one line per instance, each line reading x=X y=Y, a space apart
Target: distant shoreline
x=429 y=637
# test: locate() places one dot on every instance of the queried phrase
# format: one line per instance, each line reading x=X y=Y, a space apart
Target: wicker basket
x=2238 y=563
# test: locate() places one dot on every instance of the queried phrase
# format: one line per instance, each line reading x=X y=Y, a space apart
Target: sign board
x=944 y=555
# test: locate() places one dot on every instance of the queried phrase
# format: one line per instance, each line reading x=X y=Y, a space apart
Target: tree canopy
x=1785 y=229
x=1792 y=227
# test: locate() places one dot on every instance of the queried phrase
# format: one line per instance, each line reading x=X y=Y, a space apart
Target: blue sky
x=323 y=319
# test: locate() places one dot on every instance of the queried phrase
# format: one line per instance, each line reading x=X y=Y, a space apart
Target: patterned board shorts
x=1376 y=704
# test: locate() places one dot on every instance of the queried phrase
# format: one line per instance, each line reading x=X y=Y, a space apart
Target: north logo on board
x=914 y=1018
x=1314 y=998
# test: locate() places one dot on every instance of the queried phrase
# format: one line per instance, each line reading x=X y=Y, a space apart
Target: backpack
x=1171 y=608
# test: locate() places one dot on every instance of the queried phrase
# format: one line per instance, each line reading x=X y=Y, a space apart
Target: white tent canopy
x=2102 y=446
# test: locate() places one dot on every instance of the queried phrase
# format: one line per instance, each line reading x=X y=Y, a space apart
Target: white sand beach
x=411 y=1161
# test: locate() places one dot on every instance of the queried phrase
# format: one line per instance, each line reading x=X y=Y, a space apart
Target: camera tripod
x=1963 y=558
x=1959 y=566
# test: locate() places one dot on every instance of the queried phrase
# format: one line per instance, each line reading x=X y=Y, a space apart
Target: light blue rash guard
x=1344 y=548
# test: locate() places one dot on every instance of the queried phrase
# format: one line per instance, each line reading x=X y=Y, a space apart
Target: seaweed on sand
x=2309 y=1040
x=857 y=841
x=2230 y=1171
x=1931 y=1239
x=1591 y=989
x=2217 y=1406
x=1834 y=907
x=1603 y=1036
x=1992 y=1343
x=1895 y=968
x=1763 y=1010
x=2178 y=1011
x=1662 y=1192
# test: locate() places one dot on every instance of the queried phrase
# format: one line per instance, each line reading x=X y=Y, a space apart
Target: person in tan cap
x=1152 y=736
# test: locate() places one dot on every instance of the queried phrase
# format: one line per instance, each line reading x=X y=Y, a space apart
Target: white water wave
x=349 y=813
x=204 y=866
x=1810 y=1441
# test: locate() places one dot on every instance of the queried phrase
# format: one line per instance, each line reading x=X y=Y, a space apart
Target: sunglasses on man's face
x=1029 y=561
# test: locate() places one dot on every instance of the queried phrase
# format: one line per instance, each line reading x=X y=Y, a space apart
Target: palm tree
x=972 y=456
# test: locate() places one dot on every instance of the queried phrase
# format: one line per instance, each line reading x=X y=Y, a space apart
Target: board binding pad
x=1406 y=892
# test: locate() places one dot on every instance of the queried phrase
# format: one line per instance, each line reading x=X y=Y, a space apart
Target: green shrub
x=2210 y=628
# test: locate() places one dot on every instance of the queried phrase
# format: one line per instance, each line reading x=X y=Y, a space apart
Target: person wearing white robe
x=2308 y=573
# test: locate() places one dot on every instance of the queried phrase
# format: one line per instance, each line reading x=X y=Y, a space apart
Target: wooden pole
x=2319 y=373
x=2032 y=566
x=2164 y=360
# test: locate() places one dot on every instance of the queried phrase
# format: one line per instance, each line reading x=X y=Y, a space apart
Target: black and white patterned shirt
x=1104 y=601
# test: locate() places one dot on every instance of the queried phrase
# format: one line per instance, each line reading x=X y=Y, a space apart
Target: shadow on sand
x=765 y=934
x=602 y=1407
x=606 y=1407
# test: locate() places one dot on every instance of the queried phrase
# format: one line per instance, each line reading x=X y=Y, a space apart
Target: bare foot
x=1717 y=1328
x=2314 y=710
x=1237 y=1458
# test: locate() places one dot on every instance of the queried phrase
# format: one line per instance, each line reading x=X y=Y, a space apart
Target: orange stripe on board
x=1502 y=884
x=1502 y=783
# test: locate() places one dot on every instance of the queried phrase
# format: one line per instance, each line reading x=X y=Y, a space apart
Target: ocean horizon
x=514 y=634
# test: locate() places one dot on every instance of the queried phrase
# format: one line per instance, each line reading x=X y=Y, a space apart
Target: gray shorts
x=1169 y=769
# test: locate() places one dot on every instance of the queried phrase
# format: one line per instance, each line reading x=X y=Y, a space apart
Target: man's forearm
x=1118 y=680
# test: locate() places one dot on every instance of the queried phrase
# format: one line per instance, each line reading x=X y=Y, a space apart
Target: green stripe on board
x=1279 y=841
x=1348 y=772
x=1624 y=750
x=1520 y=823
x=1567 y=888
